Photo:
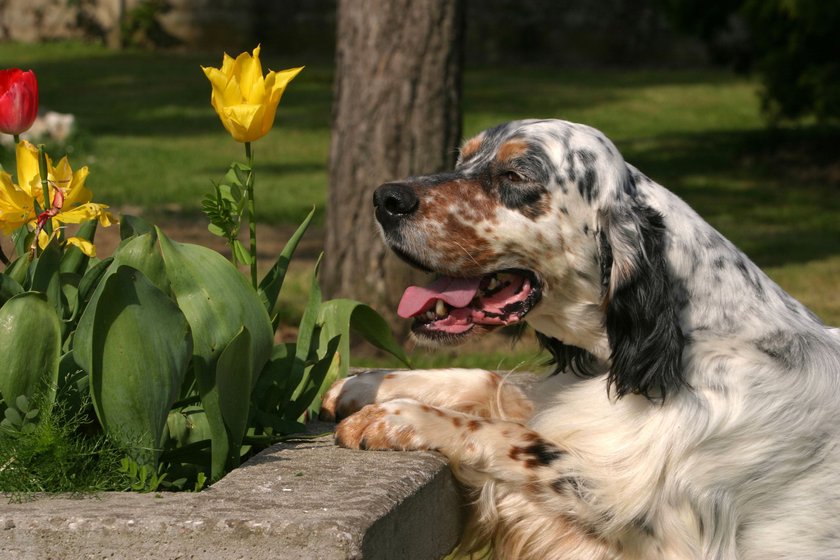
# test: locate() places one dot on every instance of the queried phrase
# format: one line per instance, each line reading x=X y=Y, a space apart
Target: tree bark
x=396 y=113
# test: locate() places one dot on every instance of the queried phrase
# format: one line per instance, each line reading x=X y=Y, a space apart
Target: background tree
x=792 y=43
x=396 y=112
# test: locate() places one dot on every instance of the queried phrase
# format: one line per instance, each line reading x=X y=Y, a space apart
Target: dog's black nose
x=394 y=201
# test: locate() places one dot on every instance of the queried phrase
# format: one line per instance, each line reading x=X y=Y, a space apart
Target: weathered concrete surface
x=307 y=500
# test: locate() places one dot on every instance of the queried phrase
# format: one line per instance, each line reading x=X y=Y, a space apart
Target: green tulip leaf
x=306 y=336
x=131 y=226
x=8 y=288
x=315 y=381
x=225 y=399
x=273 y=281
x=140 y=253
x=91 y=279
x=217 y=301
x=22 y=239
x=273 y=384
x=45 y=275
x=19 y=269
x=140 y=351
x=74 y=260
x=339 y=316
x=187 y=426
x=30 y=346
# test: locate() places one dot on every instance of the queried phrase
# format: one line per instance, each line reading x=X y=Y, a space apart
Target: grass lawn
x=152 y=140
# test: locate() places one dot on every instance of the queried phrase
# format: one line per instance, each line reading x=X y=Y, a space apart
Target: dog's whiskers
x=468 y=254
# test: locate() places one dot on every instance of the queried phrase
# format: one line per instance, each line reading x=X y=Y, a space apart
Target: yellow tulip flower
x=244 y=99
x=70 y=200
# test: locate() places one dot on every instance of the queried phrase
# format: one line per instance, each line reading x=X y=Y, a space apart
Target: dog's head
x=541 y=221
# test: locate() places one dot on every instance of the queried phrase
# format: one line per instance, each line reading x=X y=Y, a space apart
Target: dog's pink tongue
x=457 y=292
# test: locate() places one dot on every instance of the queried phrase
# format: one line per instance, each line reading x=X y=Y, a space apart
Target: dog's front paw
x=347 y=396
x=380 y=426
x=330 y=402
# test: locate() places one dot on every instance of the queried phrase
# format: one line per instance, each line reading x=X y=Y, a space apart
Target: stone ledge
x=302 y=500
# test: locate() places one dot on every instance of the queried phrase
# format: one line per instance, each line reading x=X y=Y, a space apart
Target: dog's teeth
x=493 y=283
x=430 y=315
x=440 y=308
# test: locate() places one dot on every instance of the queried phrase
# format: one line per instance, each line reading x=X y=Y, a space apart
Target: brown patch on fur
x=453 y=215
x=443 y=199
x=533 y=485
x=390 y=376
x=351 y=431
x=467 y=251
x=368 y=429
x=456 y=421
x=537 y=454
x=511 y=149
x=474 y=425
x=471 y=146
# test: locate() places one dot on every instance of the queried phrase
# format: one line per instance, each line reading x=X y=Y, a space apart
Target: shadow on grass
x=515 y=92
x=775 y=193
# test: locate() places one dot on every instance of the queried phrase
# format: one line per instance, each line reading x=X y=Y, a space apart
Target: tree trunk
x=396 y=113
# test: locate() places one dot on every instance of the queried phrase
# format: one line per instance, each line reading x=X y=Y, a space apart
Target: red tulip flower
x=18 y=100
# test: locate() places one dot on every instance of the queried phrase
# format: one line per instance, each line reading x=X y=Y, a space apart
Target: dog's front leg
x=524 y=469
x=473 y=391
x=510 y=450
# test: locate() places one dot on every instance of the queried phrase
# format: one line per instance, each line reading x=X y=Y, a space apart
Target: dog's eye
x=513 y=177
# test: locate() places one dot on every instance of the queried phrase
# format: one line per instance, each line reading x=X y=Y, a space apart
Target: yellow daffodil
x=244 y=99
x=70 y=200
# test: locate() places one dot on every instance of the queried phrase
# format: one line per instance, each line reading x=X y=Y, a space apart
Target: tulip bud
x=18 y=100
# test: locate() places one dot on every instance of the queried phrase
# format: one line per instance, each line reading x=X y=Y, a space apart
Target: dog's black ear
x=642 y=323
x=571 y=359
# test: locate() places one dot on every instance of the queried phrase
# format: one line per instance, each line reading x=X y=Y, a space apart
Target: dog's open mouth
x=451 y=307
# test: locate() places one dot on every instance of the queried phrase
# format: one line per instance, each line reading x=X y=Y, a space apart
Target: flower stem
x=17 y=139
x=252 y=218
x=45 y=184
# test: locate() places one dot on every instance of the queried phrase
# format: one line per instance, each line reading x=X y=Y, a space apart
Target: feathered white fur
x=704 y=423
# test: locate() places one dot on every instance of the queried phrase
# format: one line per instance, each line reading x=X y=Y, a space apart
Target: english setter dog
x=704 y=417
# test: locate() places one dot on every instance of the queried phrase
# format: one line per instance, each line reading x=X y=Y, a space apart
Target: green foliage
x=50 y=451
x=140 y=26
x=792 y=44
x=224 y=208
x=30 y=346
x=170 y=349
x=798 y=56
x=20 y=417
x=140 y=477
x=140 y=351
